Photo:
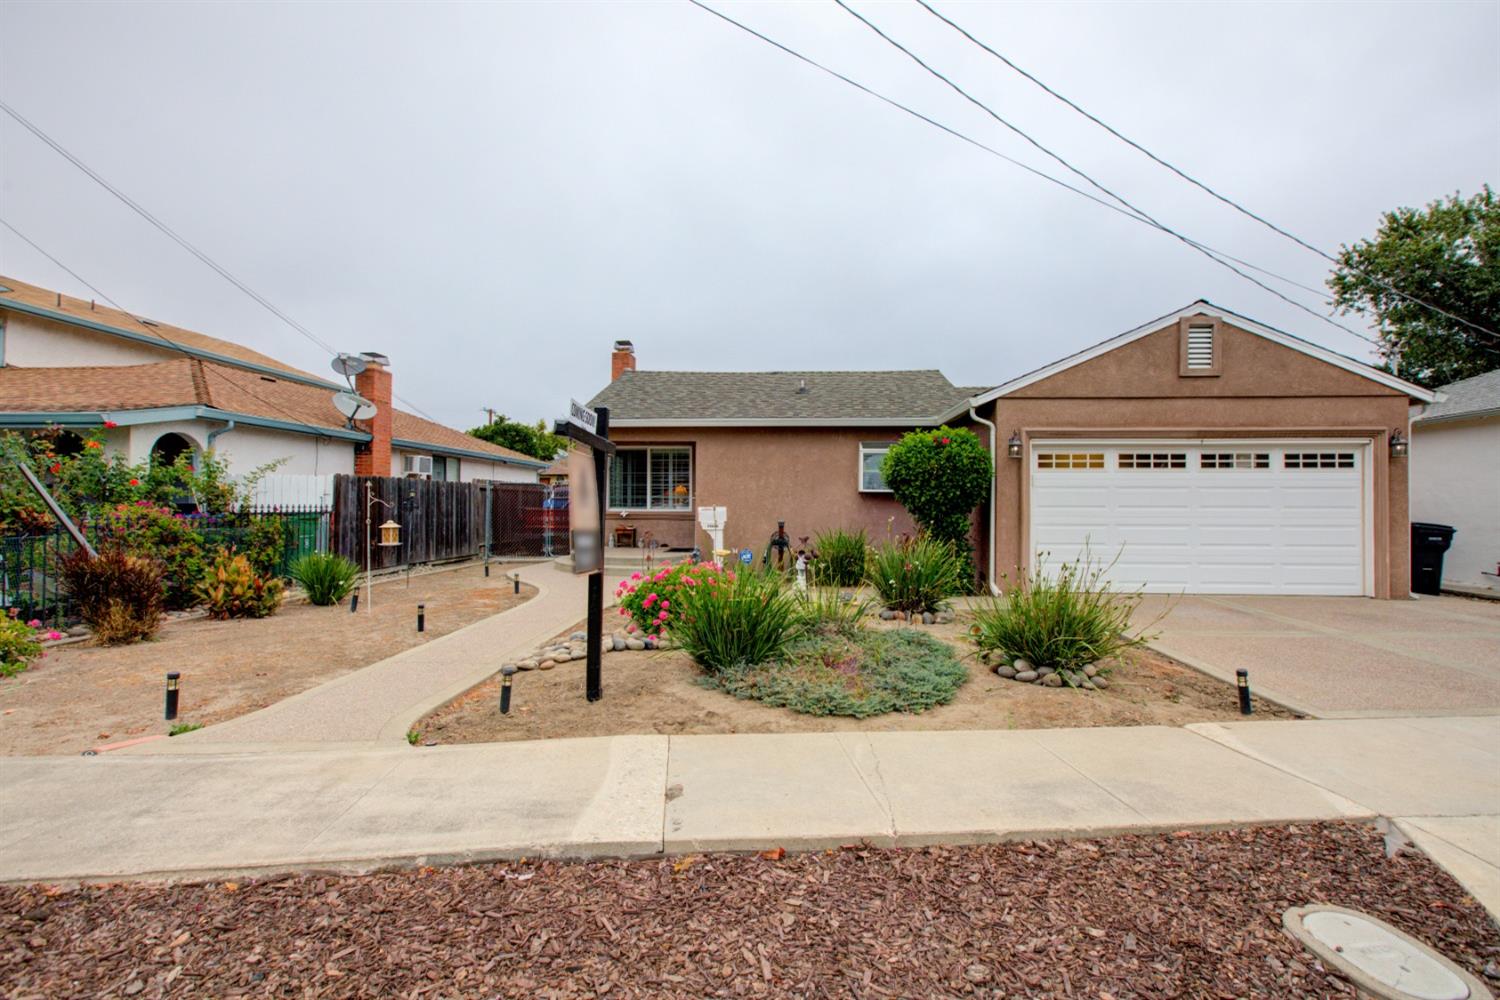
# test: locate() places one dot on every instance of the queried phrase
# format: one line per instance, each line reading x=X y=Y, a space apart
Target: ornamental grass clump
x=326 y=577
x=232 y=589
x=829 y=608
x=915 y=574
x=841 y=557
x=1064 y=620
x=741 y=618
x=120 y=597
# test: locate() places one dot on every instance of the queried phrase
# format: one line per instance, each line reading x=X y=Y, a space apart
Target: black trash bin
x=1428 y=543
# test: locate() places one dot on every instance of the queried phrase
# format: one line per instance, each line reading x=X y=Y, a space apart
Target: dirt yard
x=84 y=695
x=1173 y=915
x=658 y=692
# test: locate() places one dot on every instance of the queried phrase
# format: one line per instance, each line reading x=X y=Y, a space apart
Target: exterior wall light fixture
x=1013 y=446
x=1399 y=445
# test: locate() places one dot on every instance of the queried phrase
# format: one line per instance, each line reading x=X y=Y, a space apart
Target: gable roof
x=215 y=391
x=47 y=304
x=778 y=399
x=1471 y=397
x=1205 y=308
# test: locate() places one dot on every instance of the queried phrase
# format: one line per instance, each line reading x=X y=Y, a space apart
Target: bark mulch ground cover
x=658 y=691
x=1177 y=915
x=83 y=695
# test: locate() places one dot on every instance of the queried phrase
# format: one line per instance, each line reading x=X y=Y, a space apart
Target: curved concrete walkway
x=211 y=813
x=378 y=704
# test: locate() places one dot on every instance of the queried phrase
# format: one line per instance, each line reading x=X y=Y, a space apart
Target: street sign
x=583 y=416
x=584 y=525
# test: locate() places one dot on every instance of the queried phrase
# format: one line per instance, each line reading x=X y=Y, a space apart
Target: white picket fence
x=287 y=490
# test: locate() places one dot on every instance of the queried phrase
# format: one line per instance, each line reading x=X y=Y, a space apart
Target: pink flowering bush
x=21 y=642
x=653 y=602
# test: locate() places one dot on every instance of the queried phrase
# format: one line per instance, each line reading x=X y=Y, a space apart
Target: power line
x=1096 y=184
x=156 y=333
x=176 y=237
x=1197 y=183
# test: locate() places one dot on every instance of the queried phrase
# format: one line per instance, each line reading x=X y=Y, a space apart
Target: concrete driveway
x=1342 y=657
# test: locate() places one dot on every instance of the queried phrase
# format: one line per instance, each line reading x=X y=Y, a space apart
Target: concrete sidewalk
x=378 y=704
x=211 y=813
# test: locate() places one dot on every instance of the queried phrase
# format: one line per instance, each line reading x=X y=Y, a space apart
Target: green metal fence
x=31 y=583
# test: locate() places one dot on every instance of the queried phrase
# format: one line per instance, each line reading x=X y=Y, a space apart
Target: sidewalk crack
x=881 y=798
x=1087 y=777
x=666 y=784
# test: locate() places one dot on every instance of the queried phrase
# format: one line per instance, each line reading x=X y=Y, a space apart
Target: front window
x=651 y=479
x=871 y=456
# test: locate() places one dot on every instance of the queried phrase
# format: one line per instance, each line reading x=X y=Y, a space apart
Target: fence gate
x=528 y=520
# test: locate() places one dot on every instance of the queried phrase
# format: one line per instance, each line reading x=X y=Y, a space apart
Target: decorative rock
x=1089 y=685
x=634 y=644
x=1073 y=677
x=1091 y=670
x=1022 y=664
x=1100 y=682
x=1006 y=670
x=78 y=630
x=927 y=618
x=1044 y=671
x=1051 y=681
x=886 y=614
x=617 y=642
x=562 y=657
x=1026 y=676
x=546 y=665
x=579 y=637
x=526 y=665
x=945 y=618
x=651 y=642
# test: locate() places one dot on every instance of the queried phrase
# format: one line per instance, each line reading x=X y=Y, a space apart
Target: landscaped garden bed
x=1171 y=915
x=82 y=695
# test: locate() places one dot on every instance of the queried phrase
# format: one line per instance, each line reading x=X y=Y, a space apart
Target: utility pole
x=490 y=413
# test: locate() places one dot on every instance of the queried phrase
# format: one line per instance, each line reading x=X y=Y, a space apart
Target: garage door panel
x=1284 y=519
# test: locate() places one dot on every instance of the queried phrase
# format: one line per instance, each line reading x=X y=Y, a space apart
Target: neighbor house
x=1455 y=477
x=1202 y=452
x=163 y=391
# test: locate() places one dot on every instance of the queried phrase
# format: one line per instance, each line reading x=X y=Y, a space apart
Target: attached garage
x=1205 y=453
x=1207 y=516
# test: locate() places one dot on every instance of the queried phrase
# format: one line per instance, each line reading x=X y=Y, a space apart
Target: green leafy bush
x=326 y=577
x=1065 y=620
x=232 y=589
x=119 y=596
x=148 y=530
x=20 y=643
x=915 y=574
x=940 y=477
x=265 y=545
x=841 y=557
x=739 y=618
x=859 y=675
x=654 y=602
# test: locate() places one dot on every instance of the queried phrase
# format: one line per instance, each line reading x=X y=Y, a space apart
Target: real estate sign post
x=588 y=469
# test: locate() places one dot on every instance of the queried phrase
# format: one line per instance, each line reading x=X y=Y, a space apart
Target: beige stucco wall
x=1455 y=479
x=808 y=477
x=1264 y=390
x=33 y=342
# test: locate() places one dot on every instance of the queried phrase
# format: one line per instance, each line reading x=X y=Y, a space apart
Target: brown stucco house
x=1201 y=452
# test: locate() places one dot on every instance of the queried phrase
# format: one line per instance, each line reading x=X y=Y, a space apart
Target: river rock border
x=1090 y=678
x=917 y=618
x=574 y=648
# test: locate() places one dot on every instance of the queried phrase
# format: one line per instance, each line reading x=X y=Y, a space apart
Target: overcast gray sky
x=492 y=193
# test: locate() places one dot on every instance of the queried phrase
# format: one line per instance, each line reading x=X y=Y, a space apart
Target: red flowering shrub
x=651 y=602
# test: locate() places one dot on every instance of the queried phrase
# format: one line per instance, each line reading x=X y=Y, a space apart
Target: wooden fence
x=441 y=521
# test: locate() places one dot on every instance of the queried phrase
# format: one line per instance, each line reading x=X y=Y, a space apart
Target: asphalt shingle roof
x=899 y=396
x=1471 y=397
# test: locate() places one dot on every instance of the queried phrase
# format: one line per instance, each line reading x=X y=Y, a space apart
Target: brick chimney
x=622 y=360
x=374 y=383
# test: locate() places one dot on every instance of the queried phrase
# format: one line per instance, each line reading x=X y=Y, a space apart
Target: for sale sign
x=583 y=511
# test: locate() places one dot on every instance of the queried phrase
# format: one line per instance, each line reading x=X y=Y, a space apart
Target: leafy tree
x=1447 y=254
x=534 y=440
x=940 y=476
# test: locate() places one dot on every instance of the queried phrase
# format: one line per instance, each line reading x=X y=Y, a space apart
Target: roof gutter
x=411 y=445
x=994 y=472
x=213 y=435
x=159 y=414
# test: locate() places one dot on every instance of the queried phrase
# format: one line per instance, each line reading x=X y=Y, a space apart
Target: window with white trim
x=1234 y=460
x=871 y=456
x=1070 y=460
x=1318 y=460
x=651 y=479
x=1153 y=460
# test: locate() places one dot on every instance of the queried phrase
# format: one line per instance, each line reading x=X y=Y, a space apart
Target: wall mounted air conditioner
x=417 y=465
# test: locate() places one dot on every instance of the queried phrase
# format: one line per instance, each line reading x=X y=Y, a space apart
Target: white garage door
x=1206 y=517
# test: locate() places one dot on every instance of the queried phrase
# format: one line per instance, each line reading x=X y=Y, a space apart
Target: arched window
x=169 y=448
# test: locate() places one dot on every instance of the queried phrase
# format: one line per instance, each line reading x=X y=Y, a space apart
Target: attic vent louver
x=802 y=385
x=1200 y=347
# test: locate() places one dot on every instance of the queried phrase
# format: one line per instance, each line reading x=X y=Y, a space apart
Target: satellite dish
x=353 y=406
x=349 y=365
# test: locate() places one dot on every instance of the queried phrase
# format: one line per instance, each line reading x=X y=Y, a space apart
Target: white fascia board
x=1205 y=308
x=644 y=422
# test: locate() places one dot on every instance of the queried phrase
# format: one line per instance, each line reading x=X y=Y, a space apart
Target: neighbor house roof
x=668 y=398
x=129 y=394
x=1472 y=397
x=53 y=305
